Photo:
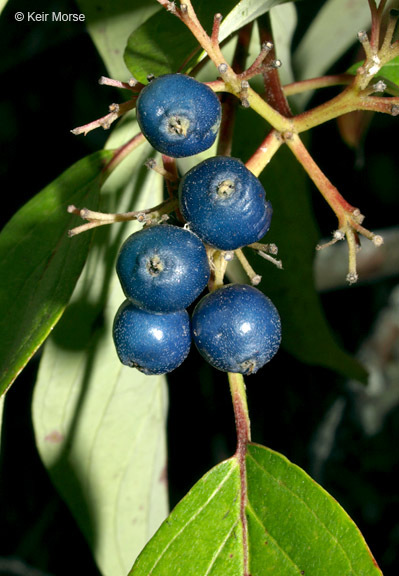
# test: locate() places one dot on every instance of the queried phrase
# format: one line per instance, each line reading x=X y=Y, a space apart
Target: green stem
x=272 y=116
x=341 y=104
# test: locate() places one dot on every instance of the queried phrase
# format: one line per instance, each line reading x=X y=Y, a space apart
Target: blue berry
x=224 y=203
x=154 y=343
x=178 y=115
x=236 y=328
x=163 y=268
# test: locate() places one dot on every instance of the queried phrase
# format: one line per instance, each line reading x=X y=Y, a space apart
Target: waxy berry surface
x=178 y=115
x=163 y=268
x=154 y=343
x=224 y=203
x=236 y=328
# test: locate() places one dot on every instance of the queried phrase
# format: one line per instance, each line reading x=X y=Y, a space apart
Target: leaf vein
x=319 y=520
x=283 y=552
x=197 y=513
x=219 y=550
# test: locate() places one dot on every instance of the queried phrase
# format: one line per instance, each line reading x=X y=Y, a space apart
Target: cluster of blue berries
x=164 y=268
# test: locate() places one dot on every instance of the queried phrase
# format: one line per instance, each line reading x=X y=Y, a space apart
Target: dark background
x=45 y=92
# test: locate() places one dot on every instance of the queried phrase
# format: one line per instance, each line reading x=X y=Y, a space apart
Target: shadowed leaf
x=110 y=24
x=100 y=426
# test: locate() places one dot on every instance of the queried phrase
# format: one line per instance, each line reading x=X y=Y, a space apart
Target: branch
x=349 y=218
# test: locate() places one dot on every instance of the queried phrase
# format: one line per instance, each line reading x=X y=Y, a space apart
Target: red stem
x=327 y=189
x=274 y=93
x=121 y=153
x=230 y=102
x=237 y=388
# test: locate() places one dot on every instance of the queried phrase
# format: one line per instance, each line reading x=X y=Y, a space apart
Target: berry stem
x=172 y=178
x=276 y=110
x=133 y=84
x=250 y=272
x=226 y=130
x=240 y=406
x=341 y=104
x=376 y=15
x=258 y=63
x=215 y=29
x=232 y=81
x=267 y=251
x=267 y=112
x=390 y=31
x=219 y=265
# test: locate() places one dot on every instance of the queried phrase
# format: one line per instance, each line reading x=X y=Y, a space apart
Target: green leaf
x=203 y=534
x=389 y=71
x=149 y=50
x=295 y=527
x=39 y=266
x=267 y=518
x=100 y=426
x=2 y=398
x=110 y=24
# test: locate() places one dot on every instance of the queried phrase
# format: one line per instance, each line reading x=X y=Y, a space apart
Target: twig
x=372 y=264
x=95 y=219
x=115 y=111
